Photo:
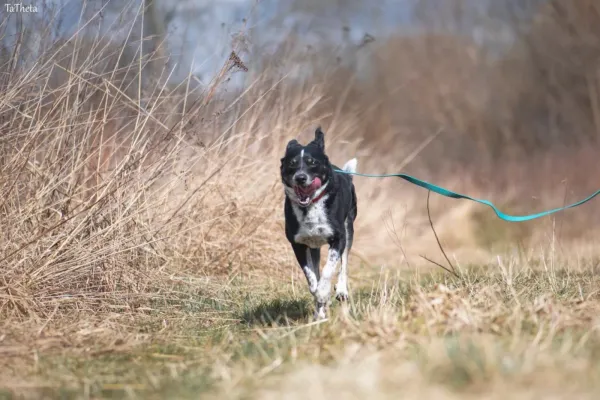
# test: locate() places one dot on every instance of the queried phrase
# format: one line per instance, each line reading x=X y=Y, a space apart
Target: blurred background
x=198 y=33
x=497 y=99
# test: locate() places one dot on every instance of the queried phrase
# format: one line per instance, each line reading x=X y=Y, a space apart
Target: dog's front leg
x=336 y=248
x=311 y=271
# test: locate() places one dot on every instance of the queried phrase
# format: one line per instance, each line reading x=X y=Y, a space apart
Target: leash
x=454 y=195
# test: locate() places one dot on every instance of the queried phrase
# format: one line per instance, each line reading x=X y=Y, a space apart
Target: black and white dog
x=320 y=208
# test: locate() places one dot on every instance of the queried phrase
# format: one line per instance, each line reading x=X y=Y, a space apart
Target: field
x=142 y=252
x=523 y=330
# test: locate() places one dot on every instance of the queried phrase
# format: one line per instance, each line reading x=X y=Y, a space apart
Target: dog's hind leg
x=341 y=288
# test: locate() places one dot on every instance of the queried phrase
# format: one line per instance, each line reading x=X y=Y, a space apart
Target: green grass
x=462 y=336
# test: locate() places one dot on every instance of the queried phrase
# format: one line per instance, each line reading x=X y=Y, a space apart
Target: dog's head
x=305 y=170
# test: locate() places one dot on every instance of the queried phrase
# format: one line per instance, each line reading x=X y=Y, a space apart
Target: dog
x=320 y=209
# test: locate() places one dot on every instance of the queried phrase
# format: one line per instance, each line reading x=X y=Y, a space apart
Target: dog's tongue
x=309 y=190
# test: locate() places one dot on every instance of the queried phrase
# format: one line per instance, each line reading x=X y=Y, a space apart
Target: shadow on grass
x=277 y=312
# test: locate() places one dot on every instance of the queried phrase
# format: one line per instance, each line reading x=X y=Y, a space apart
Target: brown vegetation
x=145 y=221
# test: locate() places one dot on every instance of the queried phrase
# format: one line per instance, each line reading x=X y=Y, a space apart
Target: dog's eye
x=310 y=161
x=293 y=162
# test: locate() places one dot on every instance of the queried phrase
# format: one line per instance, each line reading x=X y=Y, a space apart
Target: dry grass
x=142 y=252
x=522 y=328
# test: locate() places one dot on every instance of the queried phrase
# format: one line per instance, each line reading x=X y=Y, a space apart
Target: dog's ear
x=291 y=144
x=319 y=139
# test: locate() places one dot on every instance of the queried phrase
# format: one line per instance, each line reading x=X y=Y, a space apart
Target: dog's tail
x=350 y=166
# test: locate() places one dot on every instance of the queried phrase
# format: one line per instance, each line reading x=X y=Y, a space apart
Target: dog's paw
x=323 y=292
x=341 y=293
x=320 y=313
x=342 y=297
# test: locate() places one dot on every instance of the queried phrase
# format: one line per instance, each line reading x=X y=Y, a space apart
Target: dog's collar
x=319 y=197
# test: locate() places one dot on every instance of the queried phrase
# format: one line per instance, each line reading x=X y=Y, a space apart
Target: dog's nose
x=301 y=179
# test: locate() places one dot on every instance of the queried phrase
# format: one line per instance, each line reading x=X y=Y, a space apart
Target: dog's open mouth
x=305 y=193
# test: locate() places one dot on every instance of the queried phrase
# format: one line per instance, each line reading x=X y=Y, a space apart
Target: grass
x=430 y=335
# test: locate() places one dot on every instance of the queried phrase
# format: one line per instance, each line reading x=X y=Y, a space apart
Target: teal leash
x=454 y=195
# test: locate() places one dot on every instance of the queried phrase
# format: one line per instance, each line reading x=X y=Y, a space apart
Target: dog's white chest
x=314 y=230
